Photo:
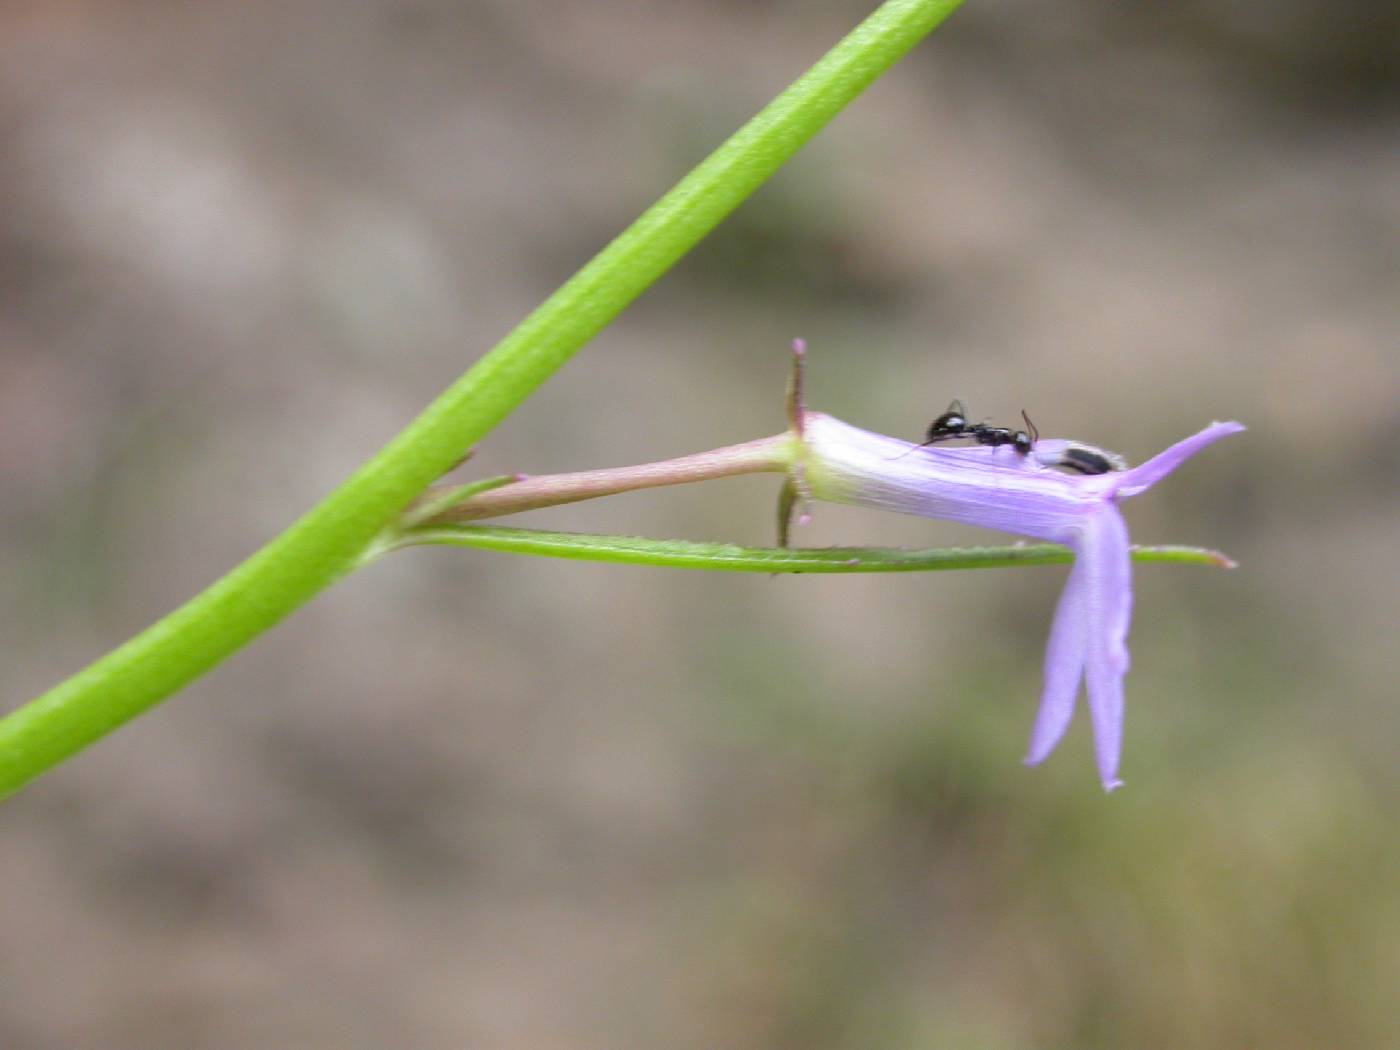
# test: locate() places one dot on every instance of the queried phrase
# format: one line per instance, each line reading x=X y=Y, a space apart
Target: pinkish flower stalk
x=999 y=489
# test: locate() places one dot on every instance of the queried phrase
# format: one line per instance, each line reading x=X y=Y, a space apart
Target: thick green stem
x=331 y=539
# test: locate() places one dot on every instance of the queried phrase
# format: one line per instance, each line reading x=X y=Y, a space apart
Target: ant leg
x=926 y=444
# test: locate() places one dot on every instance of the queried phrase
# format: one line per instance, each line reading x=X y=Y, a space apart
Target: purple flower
x=1000 y=489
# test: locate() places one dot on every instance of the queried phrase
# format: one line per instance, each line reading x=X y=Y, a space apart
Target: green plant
x=383 y=506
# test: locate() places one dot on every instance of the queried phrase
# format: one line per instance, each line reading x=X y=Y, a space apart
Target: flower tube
x=998 y=488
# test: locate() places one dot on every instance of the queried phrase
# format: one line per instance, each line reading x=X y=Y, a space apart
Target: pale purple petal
x=1145 y=475
x=1064 y=667
x=1103 y=551
x=1047 y=451
x=1000 y=489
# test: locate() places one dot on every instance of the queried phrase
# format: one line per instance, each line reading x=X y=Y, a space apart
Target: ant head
x=1021 y=442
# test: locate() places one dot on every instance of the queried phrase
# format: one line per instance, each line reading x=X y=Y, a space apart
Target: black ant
x=1075 y=456
x=953 y=424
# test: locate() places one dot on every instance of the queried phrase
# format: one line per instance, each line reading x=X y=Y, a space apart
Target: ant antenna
x=1031 y=427
x=912 y=448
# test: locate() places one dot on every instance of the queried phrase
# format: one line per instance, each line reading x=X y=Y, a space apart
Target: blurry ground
x=470 y=800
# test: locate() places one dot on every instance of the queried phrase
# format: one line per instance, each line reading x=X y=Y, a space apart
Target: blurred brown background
x=470 y=800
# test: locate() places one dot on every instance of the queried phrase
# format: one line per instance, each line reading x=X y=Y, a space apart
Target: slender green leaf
x=687 y=554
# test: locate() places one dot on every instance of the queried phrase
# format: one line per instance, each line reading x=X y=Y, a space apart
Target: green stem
x=331 y=539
